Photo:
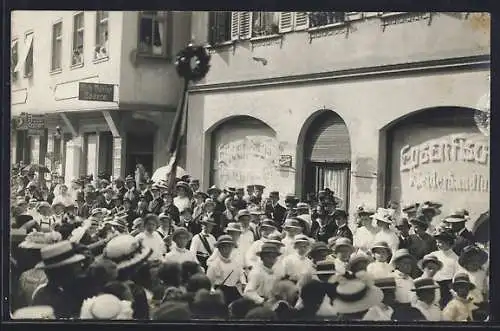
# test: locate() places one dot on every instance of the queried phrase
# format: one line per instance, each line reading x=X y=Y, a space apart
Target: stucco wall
x=365 y=105
x=40 y=93
x=366 y=43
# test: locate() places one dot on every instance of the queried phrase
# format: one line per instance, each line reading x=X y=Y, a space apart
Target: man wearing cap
x=464 y=237
x=157 y=202
x=274 y=210
x=132 y=193
x=425 y=289
x=203 y=243
x=290 y=204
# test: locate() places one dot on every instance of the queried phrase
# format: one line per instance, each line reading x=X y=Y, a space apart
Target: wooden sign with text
x=96 y=92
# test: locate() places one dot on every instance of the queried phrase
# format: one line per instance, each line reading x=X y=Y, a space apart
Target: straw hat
x=213 y=189
x=37 y=240
x=362 y=211
x=241 y=213
x=400 y=254
x=458 y=216
x=225 y=240
x=358 y=262
x=292 y=223
x=325 y=267
x=381 y=245
x=268 y=248
x=274 y=239
x=429 y=258
x=181 y=231
x=354 y=296
x=233 y=227
x=34 y=312
x=319 y=246
x=342 y=242
x=462 y=278
x=424 y=284
x=411 y=208
x=57 y=255
x=268 y=223
x=383 y=215
x=182 y=184
x=106 y=307
x=126 y=251
x=301 y=239
x=386 y=283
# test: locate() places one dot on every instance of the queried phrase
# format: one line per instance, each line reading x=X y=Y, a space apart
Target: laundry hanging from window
x=152 y=33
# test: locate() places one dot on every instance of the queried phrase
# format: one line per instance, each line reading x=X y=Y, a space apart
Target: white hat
x=34 y=312
x=126 y=251
x=58 y=255
x=106 y=307
x=354 y=296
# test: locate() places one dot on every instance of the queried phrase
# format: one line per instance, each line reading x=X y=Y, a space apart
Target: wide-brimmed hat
x=181 y=231
x=37 y=240
x=230 y=190
x=429 y=207
x=411 y=208
x=461 y=215
x=126 y=251
x=182 y=184
x=362 y=211
x=208 y=221
x=292 y=223
x=267 y=223
x=342 y=242
x=233 y=227
x=325 y=267
x=301 y=238
x=462 y=278
x=43 y=204
x=472 y=251
x=34 y=313
x=381 y=245
x=213 y=189
x=357 y=261
x=382 y=215
x=400 y=254
x=319 y=246
x=424 y=284
x=429 y=258
x=57 y=255
x=225 y=239
x=419 y=220
x=386 y=283
x=268 y=248
x=242 y=213
x=354 y=296
x=445 y=235
x=201 y=194
x=106 y=307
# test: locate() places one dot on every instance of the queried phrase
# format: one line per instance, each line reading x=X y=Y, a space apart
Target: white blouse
x=155 y=242
x=363 y=239
x=379 y=270
x=180 y=255
x=260 y=284
x=450 y=265
x=404 y=284
x=224 y=269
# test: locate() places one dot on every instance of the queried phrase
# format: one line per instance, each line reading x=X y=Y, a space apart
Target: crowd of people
x=128 y=249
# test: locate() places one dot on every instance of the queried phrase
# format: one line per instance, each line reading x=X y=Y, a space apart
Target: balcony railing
x=317 y=19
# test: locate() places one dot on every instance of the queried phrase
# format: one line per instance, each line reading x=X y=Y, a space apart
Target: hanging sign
x=96 y=92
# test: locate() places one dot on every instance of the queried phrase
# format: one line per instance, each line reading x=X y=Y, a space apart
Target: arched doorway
x=244 y=152
x=439 y=154
x=140 y=143
x=327 y=156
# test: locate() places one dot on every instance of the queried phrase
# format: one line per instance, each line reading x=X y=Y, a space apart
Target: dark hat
x=183 y=184
x=290 y=198
x=194 y=181
x=410 y=209
x=325 y=267
x=363 y=211
x=403 y=223
x=240 y=189
x=462 y=278
x=472 y=251
x=59 y=254
x=385 y=283
x=213 y=189
x=424 y=284
x=429 y=258
x=274 y=194
x=268 y=223
x=186 y=178
x=259 y=187
x=339 y=213
x=445 y=235
x=420 y=220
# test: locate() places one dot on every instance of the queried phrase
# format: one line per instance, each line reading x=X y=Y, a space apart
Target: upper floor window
x=78 y=34
x=152 y=33
x=265 y=23
x=14 y=58
x=219 y=27
x=317 y=19
x=28 y=62
x=101 y=40
x=56 y=46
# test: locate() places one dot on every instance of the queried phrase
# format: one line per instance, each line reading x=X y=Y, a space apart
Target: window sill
x=221 y=44
x=56 y=71
x=326 y=27
x=101 y=59
x=266 y=37
x=76 y=66
x=384 y=15
x=267 y=40
x=152 y=56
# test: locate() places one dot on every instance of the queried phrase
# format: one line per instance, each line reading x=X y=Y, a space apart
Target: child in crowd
x=460 y=308
x=425 y=289
x=380 y=268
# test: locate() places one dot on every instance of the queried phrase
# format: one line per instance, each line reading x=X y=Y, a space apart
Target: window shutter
x=286 y=22
x=235 y=25
x=329 y=142
x=301 y=21
x=246 y=25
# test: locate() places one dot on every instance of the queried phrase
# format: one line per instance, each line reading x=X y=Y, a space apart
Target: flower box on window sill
x=56 y=71
x=76 y=65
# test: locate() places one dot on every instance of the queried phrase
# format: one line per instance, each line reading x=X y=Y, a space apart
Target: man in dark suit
x=239 y=203
x=290 y=204
x=456 y=222
x=143 y=189
x=157 y=202
x=274 y=210
x=343 y=231
x=107 y=202
x=120 y=187
x=323 y=226
x=132 y=193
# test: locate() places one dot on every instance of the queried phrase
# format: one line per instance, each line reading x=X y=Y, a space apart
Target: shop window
x=219 y=27
x=14 y=59
x=317 y=19
x=152 y=33
x=101 y=50
x=265 y=23
x=78 y=39
x=28 y=63
x=56 y=46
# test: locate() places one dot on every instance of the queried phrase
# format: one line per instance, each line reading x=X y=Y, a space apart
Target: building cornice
x=410 y=68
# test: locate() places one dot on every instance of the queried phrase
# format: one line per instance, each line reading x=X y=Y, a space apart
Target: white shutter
x=246 y=25
x=235 y=25
x=24 y=52
x=301 y=21
x=286 y=22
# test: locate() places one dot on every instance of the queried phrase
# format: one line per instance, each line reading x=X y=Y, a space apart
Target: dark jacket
x=108 y=205
x=419 y=246
x=463 y=240
x=133 y=196
x=344 y=232
x=276 y=213
x=173 y=211
x=405 y=312
x=323 y=234
x=155 y=205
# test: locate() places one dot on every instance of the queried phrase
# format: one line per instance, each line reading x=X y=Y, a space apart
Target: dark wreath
x=192 y=63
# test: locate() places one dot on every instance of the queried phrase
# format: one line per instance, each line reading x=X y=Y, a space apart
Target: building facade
x=376 y=106
x=89 y=129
